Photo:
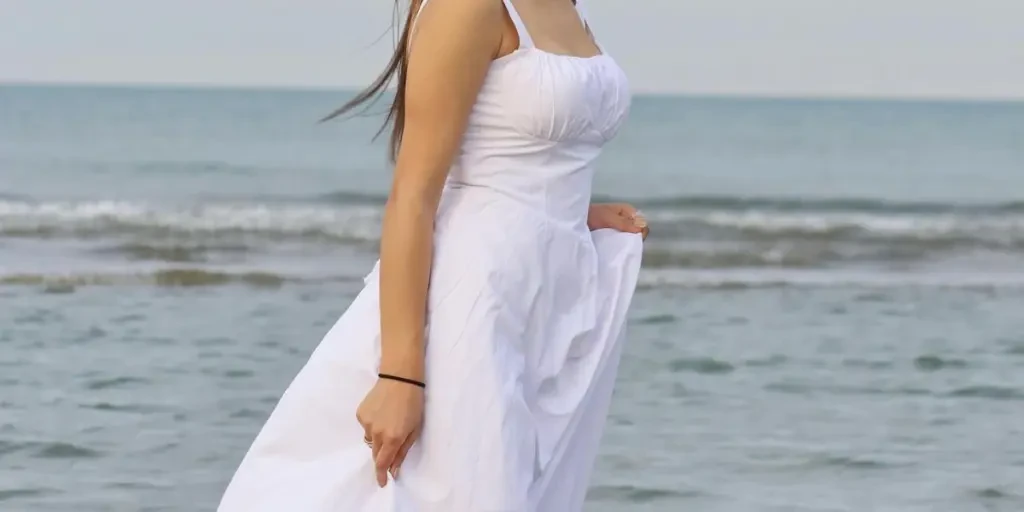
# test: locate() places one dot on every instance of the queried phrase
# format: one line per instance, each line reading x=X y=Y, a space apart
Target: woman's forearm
x=406 y=250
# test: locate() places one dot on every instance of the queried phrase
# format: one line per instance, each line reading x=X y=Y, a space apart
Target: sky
x=822 y=48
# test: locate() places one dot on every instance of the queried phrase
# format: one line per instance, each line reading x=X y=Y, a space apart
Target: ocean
x=830 y=315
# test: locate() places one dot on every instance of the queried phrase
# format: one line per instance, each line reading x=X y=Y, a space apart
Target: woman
x=487 y=390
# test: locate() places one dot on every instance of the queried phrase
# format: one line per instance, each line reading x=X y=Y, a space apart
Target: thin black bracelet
x=402 y=379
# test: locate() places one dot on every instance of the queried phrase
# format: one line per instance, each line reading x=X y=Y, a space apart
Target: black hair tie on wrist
x=402 y=379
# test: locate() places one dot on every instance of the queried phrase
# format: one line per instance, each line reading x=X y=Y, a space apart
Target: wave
x=719 y=233
x=271 y=279
x=839 y=204
x=732 y=279
x=172 y=277
x=832 y=225
x=175 y=252
x=747 y=203
x=122 y=218
x=349 y=198
x=4 y=196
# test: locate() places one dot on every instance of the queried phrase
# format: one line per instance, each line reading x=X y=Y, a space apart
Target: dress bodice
x=539 y=123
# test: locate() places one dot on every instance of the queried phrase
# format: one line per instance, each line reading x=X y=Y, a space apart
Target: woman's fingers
x=385 y=456
x=625 y=223
x=376 y=443
x=402 y=452
x=619 y=216
x=625 y=209
x=634 y=219
x=367 y=431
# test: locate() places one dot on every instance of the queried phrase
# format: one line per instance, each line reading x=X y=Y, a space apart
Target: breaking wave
x=687 y=232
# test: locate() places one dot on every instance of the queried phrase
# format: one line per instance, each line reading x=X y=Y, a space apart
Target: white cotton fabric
x=526 y=315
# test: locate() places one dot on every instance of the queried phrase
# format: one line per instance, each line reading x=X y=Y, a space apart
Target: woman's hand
x=620 y=216
x=391 y=416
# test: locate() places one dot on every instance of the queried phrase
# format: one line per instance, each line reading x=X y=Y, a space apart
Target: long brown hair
x=394 y=71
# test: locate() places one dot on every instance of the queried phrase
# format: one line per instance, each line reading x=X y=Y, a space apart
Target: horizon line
x=243 y=87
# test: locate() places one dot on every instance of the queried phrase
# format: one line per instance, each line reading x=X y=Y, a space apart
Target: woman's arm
x=454 y=44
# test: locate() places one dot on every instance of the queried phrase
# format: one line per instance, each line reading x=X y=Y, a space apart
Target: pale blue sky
x=918 y=48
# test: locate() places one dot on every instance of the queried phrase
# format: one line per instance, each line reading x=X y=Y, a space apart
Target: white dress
x=526 y=315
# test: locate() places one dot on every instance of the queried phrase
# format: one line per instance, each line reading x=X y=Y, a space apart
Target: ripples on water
x=124 y=397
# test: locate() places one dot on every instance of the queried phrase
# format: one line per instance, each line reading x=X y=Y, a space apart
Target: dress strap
x=581 y=9
x=525 y=41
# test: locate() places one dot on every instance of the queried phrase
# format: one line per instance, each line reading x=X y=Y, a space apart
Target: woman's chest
x=556 y=97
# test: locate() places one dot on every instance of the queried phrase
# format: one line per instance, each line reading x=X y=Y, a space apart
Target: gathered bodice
x=539 y=123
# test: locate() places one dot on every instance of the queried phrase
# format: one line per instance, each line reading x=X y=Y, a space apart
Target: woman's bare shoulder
x=477 y=22
x=459 y=11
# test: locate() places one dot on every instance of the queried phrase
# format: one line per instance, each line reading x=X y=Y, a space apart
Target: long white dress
x=526 y=317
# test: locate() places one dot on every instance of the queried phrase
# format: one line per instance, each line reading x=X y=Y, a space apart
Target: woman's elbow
x=412 y=202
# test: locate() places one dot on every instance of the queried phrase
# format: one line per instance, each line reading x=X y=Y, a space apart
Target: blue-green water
x=829 y=316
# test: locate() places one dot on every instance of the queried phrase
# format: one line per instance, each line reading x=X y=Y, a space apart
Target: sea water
x=830 y=315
